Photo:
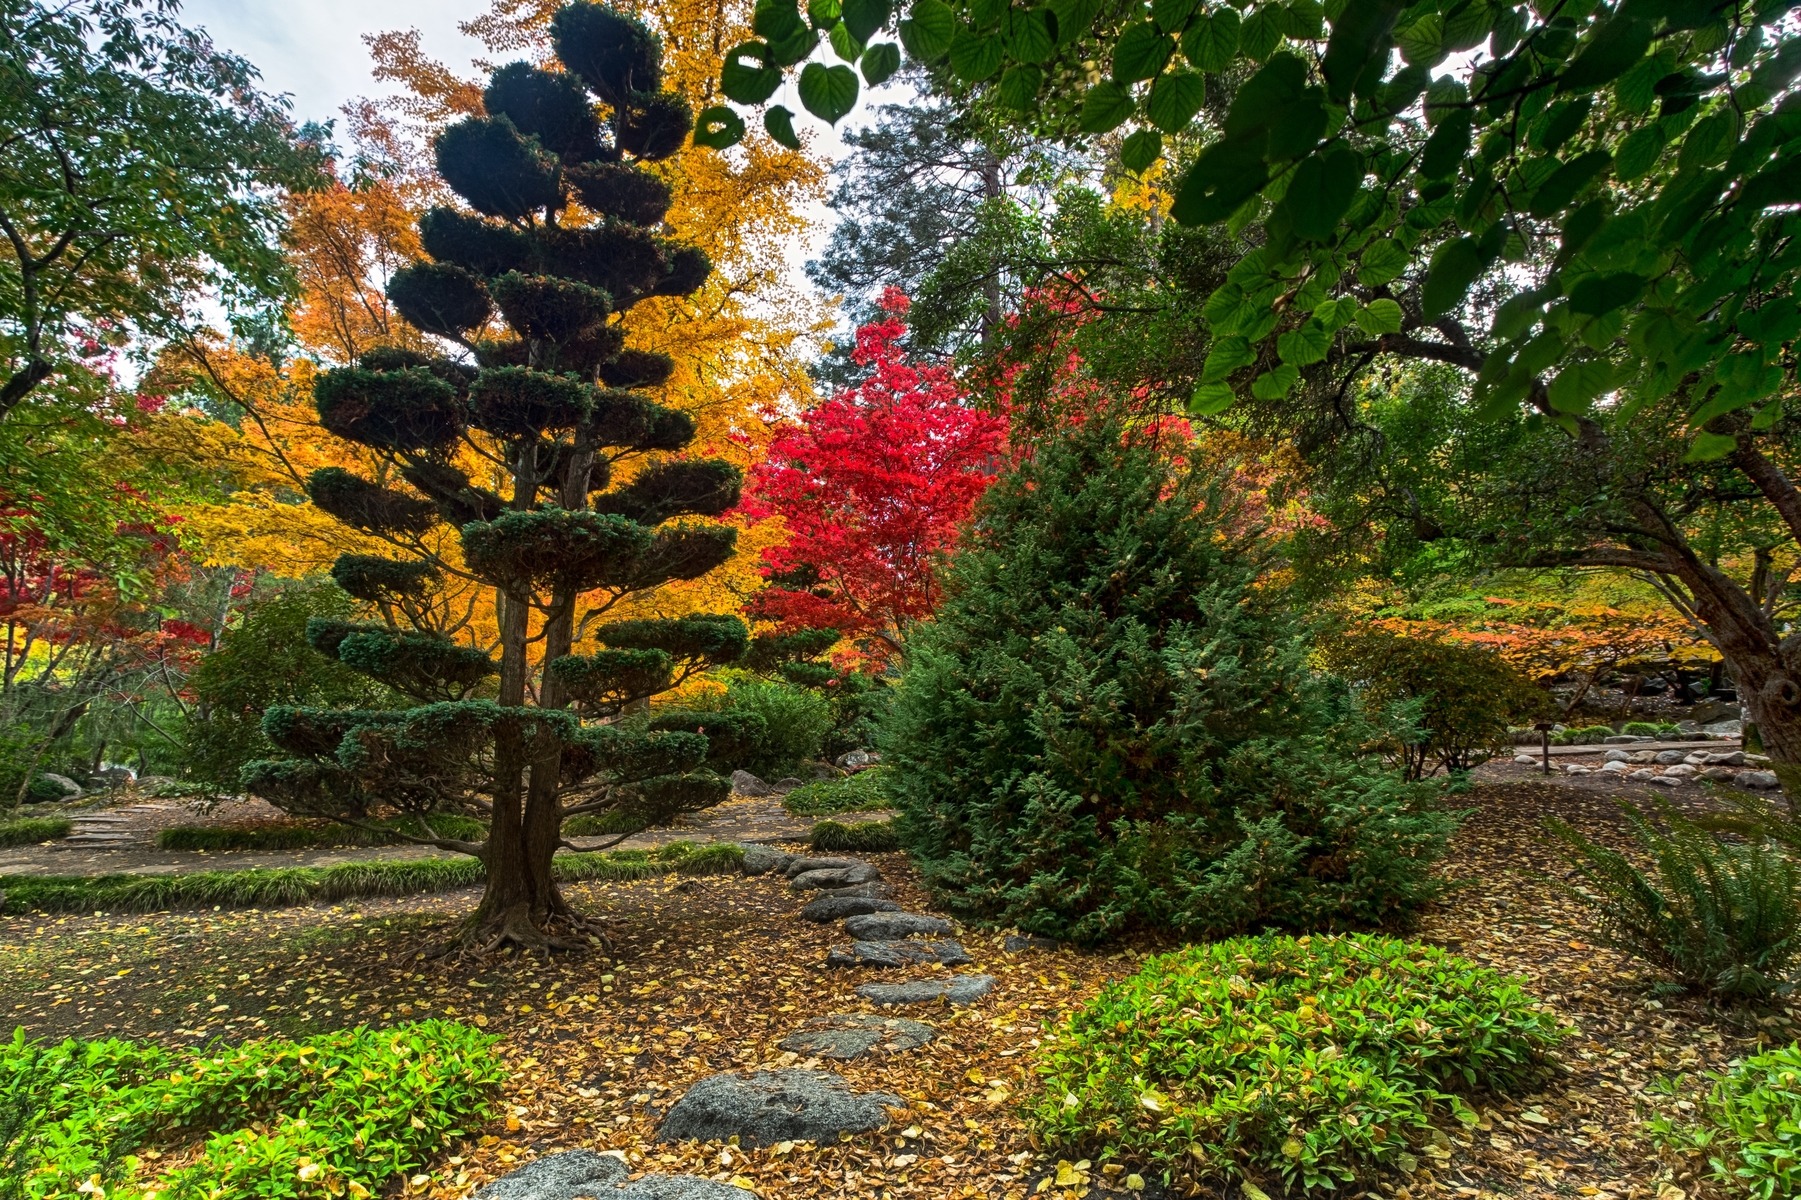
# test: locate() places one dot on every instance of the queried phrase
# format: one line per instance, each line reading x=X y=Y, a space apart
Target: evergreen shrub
x=1749 y=1127
x=872 y=837
x=1310 y=1061
x=1111 y=723
x=795 y=723
x=866 y=791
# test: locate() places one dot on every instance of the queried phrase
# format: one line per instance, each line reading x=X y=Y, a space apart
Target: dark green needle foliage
x=556 y=237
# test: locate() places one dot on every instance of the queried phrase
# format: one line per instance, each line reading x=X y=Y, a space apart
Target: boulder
x=765 y=1107
x=112 y=776
x=827 y=908
x=802 y=863
x=1665 y=758
x=1578 y=770
x=881 y=926
x=746 y=784
x=1762 y=780
x=1688 y=727
x=1698 y=758
x=855 y=760
x=1621 y=739
x=787 y=784
x=1613 y=756
x=1706 y=711
x=898 y=954
x=1681 y=770
x=1666 y=781
x=676 y=1187
x=761 y=860
x=560 y=1177
x=1643 y=756
x=70 y=789
x=1616 y=767
x=852 y=1035
x=873 y=890
x=1717 y=774
x=1725 y=728
x=958 y=990
x=835 y=877
x=1641 y=774
x=1726 y=758
x=1015 y=942
x=1525 y=759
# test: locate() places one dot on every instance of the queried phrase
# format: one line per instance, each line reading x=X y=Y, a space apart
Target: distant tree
x=518 y=454
x=139 y=166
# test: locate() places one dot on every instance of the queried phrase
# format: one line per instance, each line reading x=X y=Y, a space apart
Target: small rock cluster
x=1674 y=768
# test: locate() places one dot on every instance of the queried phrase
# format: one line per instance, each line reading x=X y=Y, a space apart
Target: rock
x=835 y=877
x=1643 y=756
x=851 y=1035
x=898 y=954
x=762 y=860
x=1621 y=739
x=1762 y=780
x=958 y=990
x=1578 y=770
x=112 y=776
x=1688 y=727
x=1667 y=781
x=1642 y=773
x=1696 y=736
x=855 y=760
x=837 y=907
x=1525 y=759
x=1725 y=728
x=787 y=784
x=1726 y=758
x=1667 y=758
x=70 y=788
x=1757 y=760
x=1681 y=770
x=676 y=1187
x=1717 y=774
x=802 y=863
x=559 y=1177
x=1616 y=767
x=1016 y=942
x=880 y=926
x=746 y=784
x=1711 y=710
x=1698 y=758
x=1613 y=756
x=872 y=891
x=765 y=1107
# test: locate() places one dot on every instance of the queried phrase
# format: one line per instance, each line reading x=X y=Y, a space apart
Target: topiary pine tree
x=516 y=442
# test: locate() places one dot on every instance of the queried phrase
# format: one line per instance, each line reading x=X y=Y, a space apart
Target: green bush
x=285 y=835
x=1642 y=728
x=872 y=836
x=1749 y=1129
x=43 y=791
x=795 y=722
x=29 y=831
x=344 y=1112
x=1111 y=723
x=602 y=824
x=1587 y=735
x=1720 y=916
x=1311 y=1060
x=866 y=791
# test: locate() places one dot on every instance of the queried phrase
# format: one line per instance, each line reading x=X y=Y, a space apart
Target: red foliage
x=872 y=486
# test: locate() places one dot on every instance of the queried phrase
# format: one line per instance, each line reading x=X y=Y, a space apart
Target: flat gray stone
x=836 y=877
x=560 y=1177
x=898 y=954
x=882 y=926
x=957 y=990
x=1621 y=739
x=872 y=891
x=765 y=1107
x=1665 y=781
x=677 y=1187
x=835 y=907
x=1725 y=728
x=1759 y=779
x=761 y=860
x=852 y=1035
x=802 y=863
x=1717 y=774
x=1616 y=756
x=1016 y=942
x=1669 y=758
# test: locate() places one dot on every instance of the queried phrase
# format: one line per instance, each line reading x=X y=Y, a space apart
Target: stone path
x=791 y=1104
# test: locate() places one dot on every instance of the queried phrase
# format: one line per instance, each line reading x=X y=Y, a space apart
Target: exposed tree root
x=516 y=930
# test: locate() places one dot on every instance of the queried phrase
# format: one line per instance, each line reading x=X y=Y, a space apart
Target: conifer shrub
x=1111 y=723
x=1298 y=1063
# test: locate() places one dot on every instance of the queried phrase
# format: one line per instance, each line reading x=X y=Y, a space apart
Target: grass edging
x=29 y=831
x=293 y=836
x=873 y=837
x=276 y=887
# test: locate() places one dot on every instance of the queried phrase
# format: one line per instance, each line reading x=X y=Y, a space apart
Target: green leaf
x=1599 y=294
x=1106 y=107
x=1174 y=100
x=1708 y=142
x=1455 y=266
x=1019 y=86
x=1029 y=37
x=779 y=123
x=1358 y=48
x=1379 y=317
x=747 y=76
x=1171 y=15
x=1141 y=52
x=864 y=18
x=1423 y=42
x=1261 y=33
x=1321 y=192
x=1140 y=150
x=1225 y=356
x=829 y=93
x=789 y=51
x=777 y=20
x=1226 y=174
x=1212 y=42
x=1710 y=447
x=1516 y=315
x=823 y=13
x=1210 y=399
x=844 y=45
x=928 y=30
x=1273 y=385
x=718 y=127
x=1556 y=192
x=1446 y=148
x=1638 y=153
x=1382 y=263
x=975 y=56
x=1075 y=18
x=880 y=62
x=1609 y=54
x=1304 y=346
x=1577 y=385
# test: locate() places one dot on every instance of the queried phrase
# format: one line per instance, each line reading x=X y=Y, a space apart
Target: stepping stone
x=560 y=1177
x=898 y=954
x=801 y=864
x=958 y=990
x=834 y=877
x=1025 y=941
x=874 y=891
x=761 y=860
x=830 y=908
x=765 y=1107
x=882 y=926
x=852 y=1035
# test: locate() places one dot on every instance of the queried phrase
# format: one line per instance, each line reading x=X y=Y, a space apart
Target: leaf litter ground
x=710 y=973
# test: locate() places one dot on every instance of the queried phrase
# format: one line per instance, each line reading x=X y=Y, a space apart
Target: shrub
x=866 y=791
x=1586 y=735
x=795 y=722
x=44 y=791
x=1749 y=1131
x=29 y=831
x=602 y=824
x=1111 y=722
x=1642 y=728
x=1462 y=697
x=343 y=1112
x=286 y=835
x=1310 y=1059
x=871 y=836
x=1721 y=917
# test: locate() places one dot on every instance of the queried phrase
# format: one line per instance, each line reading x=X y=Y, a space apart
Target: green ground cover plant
x=29 y=831
x=275 y=887
x=289 y=835
x=1586 y=735
x=866 y=791
x=871 y=836
x=1311 y=1061
x=337 y=1115
x=1749 y=1128
x=1647 y=728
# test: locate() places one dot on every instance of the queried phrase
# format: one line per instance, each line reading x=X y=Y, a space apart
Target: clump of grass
x=866 y=791
x=871 y=836
x=276 y=887
x=29 y=831
x=287 y=835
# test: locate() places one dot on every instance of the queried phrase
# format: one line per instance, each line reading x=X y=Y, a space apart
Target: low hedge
x=865 y=791
x=286 y=835
x=871 y=836
x=1297 y=1062
x=1749 y=1129
x=29 y=831
x=341 y=1114
x=274 y=887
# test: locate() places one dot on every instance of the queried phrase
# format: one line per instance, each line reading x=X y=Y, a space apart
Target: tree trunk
x=1766 y=666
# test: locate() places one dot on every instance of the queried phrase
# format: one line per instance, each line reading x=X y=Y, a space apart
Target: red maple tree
x=872 y=486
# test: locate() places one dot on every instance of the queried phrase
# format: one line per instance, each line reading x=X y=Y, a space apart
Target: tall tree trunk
x=991 y=286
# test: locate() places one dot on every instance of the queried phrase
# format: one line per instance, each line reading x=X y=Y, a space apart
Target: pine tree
x=516 y=443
